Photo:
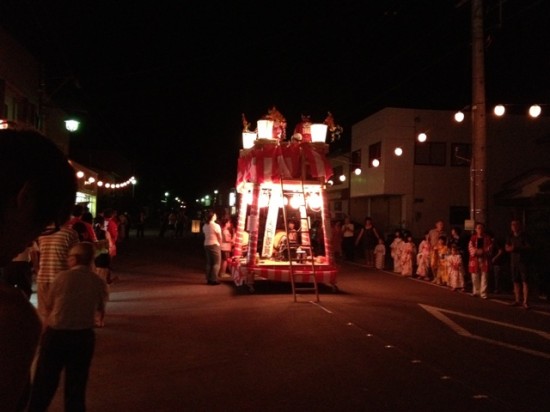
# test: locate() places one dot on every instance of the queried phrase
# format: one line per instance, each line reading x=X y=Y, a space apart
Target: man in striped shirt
x=53 y=251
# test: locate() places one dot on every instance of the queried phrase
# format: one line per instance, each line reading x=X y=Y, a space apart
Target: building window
x=375 y=152
x=430 y=153
x=461 y=154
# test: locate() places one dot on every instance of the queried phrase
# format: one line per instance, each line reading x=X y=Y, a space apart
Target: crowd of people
x=463 y=262
x=37 y=233
x=45 y=238
x=70 y=251
x=72 y=264
x=174 y=223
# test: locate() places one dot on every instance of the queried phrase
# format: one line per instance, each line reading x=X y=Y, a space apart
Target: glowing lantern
x=265 y=129
x=72 y=125
x=318 y=133
x=535 y=110
x=195 y=226
x=499 y=110
x=296 y=201
x=314 y=202
x=248 y=139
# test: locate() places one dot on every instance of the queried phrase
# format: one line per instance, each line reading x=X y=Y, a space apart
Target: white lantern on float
x=314 y=202
x=248 y=139
x=318 y=132
x=296 y=200
x=265 y=129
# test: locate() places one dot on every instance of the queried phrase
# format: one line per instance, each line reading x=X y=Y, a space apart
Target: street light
x=72 y=125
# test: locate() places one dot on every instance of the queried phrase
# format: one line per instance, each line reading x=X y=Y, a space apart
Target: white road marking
x=532 y=310
x=438 y=313
x=320 y=306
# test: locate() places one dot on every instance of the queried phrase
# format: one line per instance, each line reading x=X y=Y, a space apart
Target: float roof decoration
x=273 y=161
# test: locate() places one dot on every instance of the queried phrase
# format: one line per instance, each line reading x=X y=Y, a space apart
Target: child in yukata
x=396 y=251
x=407 y=255
x=379 y=254
x=423 y=257
x=439 y=261
x=456 y=274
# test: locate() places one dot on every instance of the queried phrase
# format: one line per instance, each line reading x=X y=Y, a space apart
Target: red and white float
x=281 y=182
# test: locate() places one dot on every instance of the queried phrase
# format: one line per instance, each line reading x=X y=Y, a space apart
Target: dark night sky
x=166 y=82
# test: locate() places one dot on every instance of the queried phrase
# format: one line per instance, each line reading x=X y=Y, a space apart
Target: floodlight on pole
x=72 y=125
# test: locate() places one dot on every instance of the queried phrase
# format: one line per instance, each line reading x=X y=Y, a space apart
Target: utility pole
x=478 y=212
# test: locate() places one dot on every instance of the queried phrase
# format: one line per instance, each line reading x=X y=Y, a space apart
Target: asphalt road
x=382 y=343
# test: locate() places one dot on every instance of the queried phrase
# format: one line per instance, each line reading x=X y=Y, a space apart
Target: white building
x=431 y=180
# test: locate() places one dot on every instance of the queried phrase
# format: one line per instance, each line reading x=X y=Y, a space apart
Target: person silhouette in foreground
x=37 y=193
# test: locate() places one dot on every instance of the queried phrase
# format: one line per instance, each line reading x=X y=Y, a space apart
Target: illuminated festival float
x=283 y=228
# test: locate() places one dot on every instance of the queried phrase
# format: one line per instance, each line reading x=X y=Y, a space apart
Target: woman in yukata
x=455 y=269
x=423 y=258
x=379 y=254
x=439 y=261
x=407 y=255
x=396 y=249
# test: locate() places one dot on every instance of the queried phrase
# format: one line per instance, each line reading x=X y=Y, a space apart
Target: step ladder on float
x=300 y=253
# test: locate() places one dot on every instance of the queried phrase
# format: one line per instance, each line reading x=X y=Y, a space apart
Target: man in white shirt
x=212 y=241
x=69 y=339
